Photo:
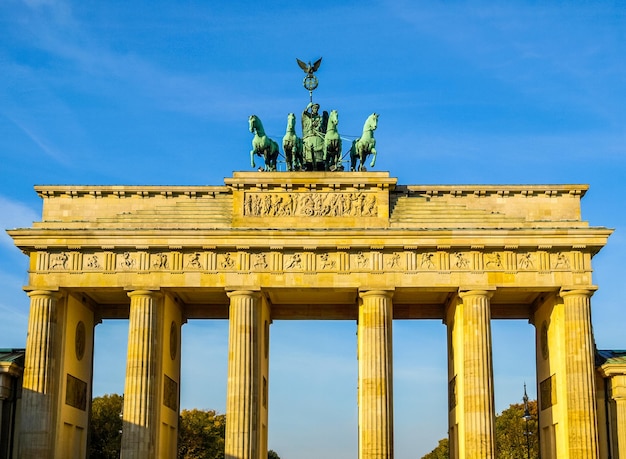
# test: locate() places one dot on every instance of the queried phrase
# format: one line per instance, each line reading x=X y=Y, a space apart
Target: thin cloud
x=14 y=214
x=38 y=139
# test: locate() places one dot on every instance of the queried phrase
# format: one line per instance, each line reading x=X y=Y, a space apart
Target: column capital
x=243 y=292
x=143 y=292
x=477 y=291
x=54 y=294
x=387 y=293
x=609 y=370
x=587 y=291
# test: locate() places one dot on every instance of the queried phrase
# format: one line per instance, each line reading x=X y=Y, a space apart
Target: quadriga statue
x=332 y=144
x=313 y=131
x=292 y=145
x=364 y=145
x=262 y=145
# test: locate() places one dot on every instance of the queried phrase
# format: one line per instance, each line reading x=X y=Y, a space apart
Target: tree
x=201 y=434
x=105 y=428
x=513 y=440
x=440 y=452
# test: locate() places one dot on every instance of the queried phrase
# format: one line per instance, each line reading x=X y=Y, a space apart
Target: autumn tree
x=440 y=452
x=201 y=434
x=105 y=428
x=513 y=440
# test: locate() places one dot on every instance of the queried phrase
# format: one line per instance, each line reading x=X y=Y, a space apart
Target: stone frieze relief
x=315 y=261
x=360 y=204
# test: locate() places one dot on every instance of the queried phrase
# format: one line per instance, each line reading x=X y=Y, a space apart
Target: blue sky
x=155 y=92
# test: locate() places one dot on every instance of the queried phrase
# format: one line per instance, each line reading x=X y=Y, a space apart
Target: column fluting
x=375 y=390
x=244 y=367
x=140 y=391
x=40 y=378
x=580 y=374
x=477 y=373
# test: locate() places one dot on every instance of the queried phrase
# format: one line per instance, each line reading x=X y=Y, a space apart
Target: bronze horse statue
x=292 y=145
x=262 y=145
x=332 y=143
x=365 y=145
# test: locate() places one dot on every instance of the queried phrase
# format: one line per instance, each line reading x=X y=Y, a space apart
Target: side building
x=11 y=371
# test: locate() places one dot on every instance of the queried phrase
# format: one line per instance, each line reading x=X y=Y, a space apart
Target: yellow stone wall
x=169 y=389
x=551 y=399
x=76 y=318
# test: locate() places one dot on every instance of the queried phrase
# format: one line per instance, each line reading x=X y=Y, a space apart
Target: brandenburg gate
x=268 y=246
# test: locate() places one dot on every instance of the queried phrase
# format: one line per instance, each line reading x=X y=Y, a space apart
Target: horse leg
x=288 y=157
x=373 y=157
x=353 y=156
x=272 y=160
x=252 y=159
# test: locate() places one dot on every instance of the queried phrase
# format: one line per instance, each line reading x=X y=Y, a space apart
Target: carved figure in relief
x=227 y=262
x=59 y=261
x=461 y=261
x=525 y=261
x=370 y=206
x=356 y=204
x=127 y=261
x=194 y=261
x=327 y=263
x=93 y=263
x=260 y=261
x=361 y=260
x=266 y=205
x=311 y=204
x=561 y=261
x=292 y=145
x=296 y=261
x=160 y=262
x=493 y=259
x=426 y=260
x=364 y=145
x=394 y=262
x=262 y=145
x=289 y=206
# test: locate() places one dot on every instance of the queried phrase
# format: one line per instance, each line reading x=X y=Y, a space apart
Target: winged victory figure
x=308 y=68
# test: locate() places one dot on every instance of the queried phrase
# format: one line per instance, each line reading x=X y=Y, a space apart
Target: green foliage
x=440 y=452
x=512 y=439
x=512 y=442
x=201 y=434
x=106 y=426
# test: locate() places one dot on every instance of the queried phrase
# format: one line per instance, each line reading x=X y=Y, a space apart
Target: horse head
x=251 y=122
x=291 y=122
x=254 y=123
x=371 y=123
x=333 y=119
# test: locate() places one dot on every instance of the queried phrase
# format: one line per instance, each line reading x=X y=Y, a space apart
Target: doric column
x=140 y=391
x=40 y=384
x=614 y=374
x=580 y=377
x=375 y=395
x=244 y=398
x=477 y=374
x=618 y=394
